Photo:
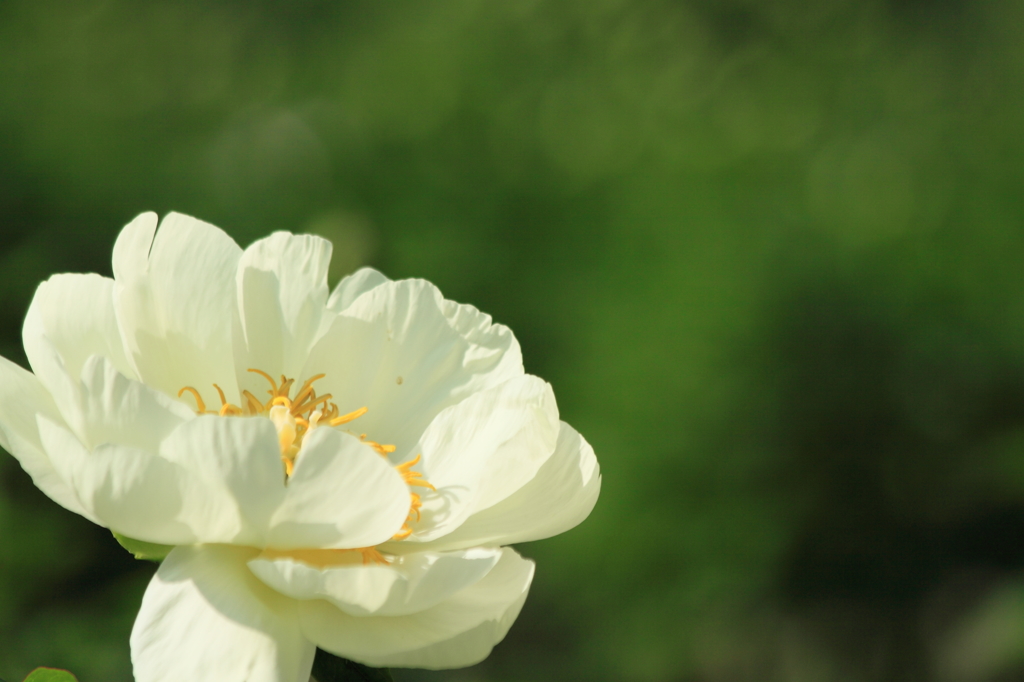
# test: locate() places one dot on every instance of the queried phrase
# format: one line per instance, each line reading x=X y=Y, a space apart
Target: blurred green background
x=770 y=253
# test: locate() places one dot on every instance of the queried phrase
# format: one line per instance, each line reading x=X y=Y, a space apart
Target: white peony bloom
x=333 y=469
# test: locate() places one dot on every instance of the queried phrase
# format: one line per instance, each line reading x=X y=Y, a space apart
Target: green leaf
x=150 y=551
x=50 y=675
x=330 y=668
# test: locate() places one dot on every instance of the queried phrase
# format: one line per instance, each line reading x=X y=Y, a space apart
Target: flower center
x=294 y=418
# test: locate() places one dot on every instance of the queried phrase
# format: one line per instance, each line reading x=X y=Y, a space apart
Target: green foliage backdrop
x=769 y=254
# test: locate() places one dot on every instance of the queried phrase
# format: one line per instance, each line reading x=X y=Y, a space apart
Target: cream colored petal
x=206 y=618
x=71 y=318
x=235 y=481
x=341 y=494
x=22 y=399
x=407 y=585
x=282 y=296
x=405 y=353
x=559 y=497
x=76 y=313
x=463 y=650
x=415 y=640
x=131 y=250
x=482 y=450
x=517 y=460
x=214 y=480
x=128 y=490
x=115 y=409
x=352 y=287
x=175 y=304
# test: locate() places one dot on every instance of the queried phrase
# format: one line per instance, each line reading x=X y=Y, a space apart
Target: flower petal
x=408 y=584
x=353 y=286
x=482 y=450
x=77 y=316
x=559 y=497
x=517 y=460
x=130 y=491
x=206 y=618
x=131 y=250
x=406 y=353
x=115 y=409
x=213 y=480
x=282 y=296
x=235 y=477
x=414 y=640
x=71 y=318
x=341 y=494
x=466 y=649
x=22 y=398
x=175 y=303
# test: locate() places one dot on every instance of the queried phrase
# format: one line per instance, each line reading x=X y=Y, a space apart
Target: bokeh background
x=770 y=253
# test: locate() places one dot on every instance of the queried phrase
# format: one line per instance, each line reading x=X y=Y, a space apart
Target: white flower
x=299 y=519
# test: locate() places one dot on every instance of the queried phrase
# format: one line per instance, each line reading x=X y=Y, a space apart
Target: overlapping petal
x=483 y=449
x=342 y=494
x=282 y=296
x=23 y=399
x=465 y=649
x=407 y=585
x=235 y=478
x=76 y=314
x=128 y=490
x=560 y=496
x=112 y=408
x=174 y=296
x=213 y=480
x=480 y=614
x=395 y=350
x=71 y=318
x=206 y=617
x=352 y=287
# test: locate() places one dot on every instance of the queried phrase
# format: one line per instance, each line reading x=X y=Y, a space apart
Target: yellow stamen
x=200 y=405
x=416 y=505
x=372 y=556
x=312 y=404
x=346 y=418
x=404 y=533
x=254 y=405
x=294 y=418
x=286 y=386
x=411 y=478
x=266 y=376
x=307 y=389
x=383 y=450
